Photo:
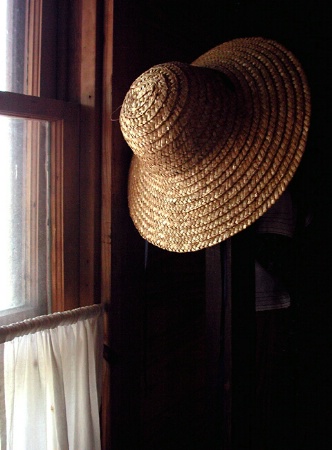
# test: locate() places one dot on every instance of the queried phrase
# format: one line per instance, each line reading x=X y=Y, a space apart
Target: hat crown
x=172 y=115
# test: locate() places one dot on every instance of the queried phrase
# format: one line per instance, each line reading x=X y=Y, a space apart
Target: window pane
x=24 y=225
x=12 y=45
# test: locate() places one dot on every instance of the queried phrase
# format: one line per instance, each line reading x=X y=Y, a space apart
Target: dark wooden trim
x=231 y=323
x=122 y=249
x=107 y=397
x=243 y=335
x=227 y=344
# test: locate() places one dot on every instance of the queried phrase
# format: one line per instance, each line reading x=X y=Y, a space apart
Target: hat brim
x=221 y=195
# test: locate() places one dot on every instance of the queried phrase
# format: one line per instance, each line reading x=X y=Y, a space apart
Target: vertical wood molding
x=242 y=320
x=106 y=156
x=227 y=346
x=83 y=78
x=90 y=155
x=122 y=247
x=65 y=210
x=71 y=211
x=106 y=214
x=57 y=259
x=33 y=49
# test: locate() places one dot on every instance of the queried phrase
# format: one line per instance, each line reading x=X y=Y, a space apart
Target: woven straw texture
x=215 y=142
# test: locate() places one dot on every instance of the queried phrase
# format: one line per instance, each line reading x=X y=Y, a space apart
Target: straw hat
x=215 y=142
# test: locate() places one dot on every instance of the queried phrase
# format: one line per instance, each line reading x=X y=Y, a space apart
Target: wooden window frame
x=64 y=188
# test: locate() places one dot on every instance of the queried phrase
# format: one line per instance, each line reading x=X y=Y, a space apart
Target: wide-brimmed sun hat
x=215 y=142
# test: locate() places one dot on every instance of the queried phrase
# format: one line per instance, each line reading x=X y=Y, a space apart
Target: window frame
x=64 y=188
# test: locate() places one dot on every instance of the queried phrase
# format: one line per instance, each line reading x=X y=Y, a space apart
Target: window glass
x=25 y=221
x=13 y=44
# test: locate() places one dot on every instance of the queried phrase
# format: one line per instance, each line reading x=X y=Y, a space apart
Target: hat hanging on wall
x=215 y=142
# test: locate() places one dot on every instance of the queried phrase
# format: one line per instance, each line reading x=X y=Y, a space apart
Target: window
x=42 y=199
x=39 y=169
x=51 y=93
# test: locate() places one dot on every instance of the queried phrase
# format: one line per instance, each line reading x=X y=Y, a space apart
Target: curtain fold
x=50 y=375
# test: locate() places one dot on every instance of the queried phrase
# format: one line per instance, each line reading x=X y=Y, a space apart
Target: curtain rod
x=48 y=321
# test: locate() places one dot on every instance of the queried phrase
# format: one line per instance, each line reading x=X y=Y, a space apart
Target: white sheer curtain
x=50 y=381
